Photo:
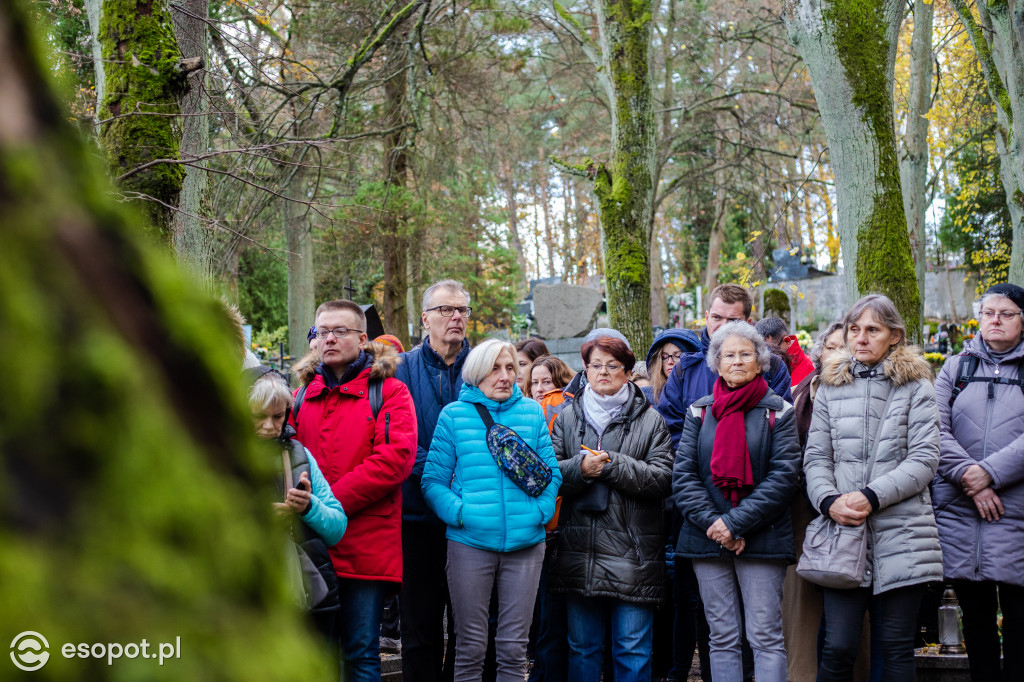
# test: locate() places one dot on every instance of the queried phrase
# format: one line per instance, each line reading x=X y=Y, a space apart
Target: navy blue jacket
x=433 y=385
x=691 y=379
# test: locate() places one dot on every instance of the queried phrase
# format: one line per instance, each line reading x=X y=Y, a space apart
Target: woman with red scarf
x=734 y=479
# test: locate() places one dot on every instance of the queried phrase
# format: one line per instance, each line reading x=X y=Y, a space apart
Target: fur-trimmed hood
x=383 y=357
x=904 y=365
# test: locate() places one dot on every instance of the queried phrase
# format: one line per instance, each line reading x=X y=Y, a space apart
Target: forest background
x=285 y=149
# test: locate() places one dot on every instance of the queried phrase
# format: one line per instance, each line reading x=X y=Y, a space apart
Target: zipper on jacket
x=636 y=545
x=387 y=428
x=984 y=454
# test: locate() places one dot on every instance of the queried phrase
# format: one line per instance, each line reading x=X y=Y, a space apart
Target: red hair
x=613 y=347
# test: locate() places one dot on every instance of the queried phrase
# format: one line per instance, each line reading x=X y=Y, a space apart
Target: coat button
x=345 y=388
x=360 y=392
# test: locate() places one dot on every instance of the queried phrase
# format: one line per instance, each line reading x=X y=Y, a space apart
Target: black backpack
x=969 y=367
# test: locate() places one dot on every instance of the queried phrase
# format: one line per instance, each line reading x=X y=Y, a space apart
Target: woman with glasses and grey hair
x=735 y=476
x=872 y=450
x=979 y=492
x=615 y=455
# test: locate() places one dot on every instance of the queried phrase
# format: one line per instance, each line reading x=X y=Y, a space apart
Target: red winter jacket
x=365 y=463
x=802 y=365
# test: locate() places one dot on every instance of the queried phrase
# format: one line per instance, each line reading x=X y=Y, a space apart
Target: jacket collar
x=770 y=401
x=634 y=407
x=902 y=366
x=433 y=358
x=978 y=347
x=472 y=394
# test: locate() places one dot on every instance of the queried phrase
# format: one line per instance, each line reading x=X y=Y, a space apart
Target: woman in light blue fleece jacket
x=495 y=530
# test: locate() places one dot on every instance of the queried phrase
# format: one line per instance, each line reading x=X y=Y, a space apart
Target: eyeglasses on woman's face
x=1004 y=315
x=742 y=357
x=611 y=367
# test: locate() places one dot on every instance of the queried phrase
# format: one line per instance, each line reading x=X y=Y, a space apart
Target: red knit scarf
x=730 y=458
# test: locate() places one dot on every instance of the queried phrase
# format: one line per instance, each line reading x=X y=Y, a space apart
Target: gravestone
x=565 y=310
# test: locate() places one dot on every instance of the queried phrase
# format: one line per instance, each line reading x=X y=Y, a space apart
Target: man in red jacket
x=365 y=459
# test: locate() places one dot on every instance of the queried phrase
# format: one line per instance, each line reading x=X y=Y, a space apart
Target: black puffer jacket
x=618 y=552
x=762 y=518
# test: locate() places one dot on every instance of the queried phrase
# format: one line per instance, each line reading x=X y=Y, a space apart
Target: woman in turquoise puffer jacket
x=495 y=530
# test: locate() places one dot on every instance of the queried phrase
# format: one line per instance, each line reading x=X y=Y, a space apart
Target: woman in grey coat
x=878 y=369
x=615 y=456
x=979 y=492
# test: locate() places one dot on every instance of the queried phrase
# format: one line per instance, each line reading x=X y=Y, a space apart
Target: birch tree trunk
x=849 y=47
x=193 y=237
x=298 y=232
x=393 y=220
x=914 y=154
x=998 y=38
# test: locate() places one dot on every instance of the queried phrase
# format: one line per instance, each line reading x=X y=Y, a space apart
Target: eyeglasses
x=612 y=368
x=674 y=357
x=1004 y=315
x=744 y=357
x=449 y=310
x=339 y=332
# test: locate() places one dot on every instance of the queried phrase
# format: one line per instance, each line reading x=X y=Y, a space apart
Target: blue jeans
x=632 y=637
x=735 y=590
x=362 y=609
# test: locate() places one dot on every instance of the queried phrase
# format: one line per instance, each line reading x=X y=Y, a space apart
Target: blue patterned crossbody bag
x=517 y=460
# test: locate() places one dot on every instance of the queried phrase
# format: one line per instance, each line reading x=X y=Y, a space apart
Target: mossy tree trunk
x=914 y=152
x=849 y=47
x=624 y=187
x=997 y=33
x=132 y=502
x=144 y=81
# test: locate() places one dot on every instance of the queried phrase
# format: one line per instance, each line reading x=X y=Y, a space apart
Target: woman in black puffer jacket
x=616 y=462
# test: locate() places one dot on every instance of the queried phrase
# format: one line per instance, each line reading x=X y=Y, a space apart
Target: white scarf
x=600 y=410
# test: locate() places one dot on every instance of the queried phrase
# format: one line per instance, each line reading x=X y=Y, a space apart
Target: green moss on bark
x=884 y=258
x=142 y=76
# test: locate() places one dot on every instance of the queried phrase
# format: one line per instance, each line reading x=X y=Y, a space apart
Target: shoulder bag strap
x=878 y=432
x=485 y=415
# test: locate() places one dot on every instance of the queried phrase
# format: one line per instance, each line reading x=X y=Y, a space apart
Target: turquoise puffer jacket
x=463 y=485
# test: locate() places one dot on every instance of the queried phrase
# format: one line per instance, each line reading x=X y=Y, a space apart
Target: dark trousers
x=893 y=614
x=423 y=603
x=979 y=602
x=551 y=649
x=362 y=607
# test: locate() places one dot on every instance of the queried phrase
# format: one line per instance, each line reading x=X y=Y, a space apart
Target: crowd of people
x=551 y=519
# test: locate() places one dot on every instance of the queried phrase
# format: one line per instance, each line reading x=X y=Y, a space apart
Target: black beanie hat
x=1010 y=291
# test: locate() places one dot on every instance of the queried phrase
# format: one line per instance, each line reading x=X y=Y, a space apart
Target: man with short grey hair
x=433 y=373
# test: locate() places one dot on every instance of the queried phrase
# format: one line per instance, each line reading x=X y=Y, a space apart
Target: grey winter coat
x=762 y=518
x=619 y=552
x=989 y=432
x=903 y=541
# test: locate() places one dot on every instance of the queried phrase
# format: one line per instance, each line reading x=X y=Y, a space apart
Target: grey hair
x=819 y=343
x=640 y=370
x=977 y=305
x=744 y=330
x=481 y=359
x=885 y=312
x=453 y=286
x=772 y=327
x=269 y=390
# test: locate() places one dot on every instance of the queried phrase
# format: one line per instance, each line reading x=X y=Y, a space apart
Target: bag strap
x=375 y=388
x=286 y=461
x=968 y=366
x=297 y=404
x=485 y=415
x=878 y=432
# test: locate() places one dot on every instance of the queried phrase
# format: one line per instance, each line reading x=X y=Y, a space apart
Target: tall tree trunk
x=624 y=188
x=914 y=154
x=849 y=47
x=301 y=273
x=659 y=302
x=193 y=237
x=545 y=202
x=152 y=360
x=515 y=242
x=998 y=39
x=393 y=218
x=94 y=12
x=143 y=74
x=717 y=238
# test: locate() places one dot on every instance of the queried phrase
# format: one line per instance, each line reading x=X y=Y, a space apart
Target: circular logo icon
x=29 y=651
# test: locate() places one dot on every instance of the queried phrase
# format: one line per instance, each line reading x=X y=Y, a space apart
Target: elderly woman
x=495 y=528
x=979 y=492
x=616 y=460
x=733 y=487
x=872 y=450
